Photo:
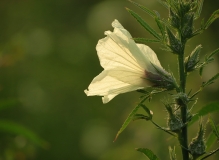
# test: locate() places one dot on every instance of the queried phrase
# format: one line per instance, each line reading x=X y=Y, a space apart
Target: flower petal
x=119 y=50
x=110 y=83
x=149 y=54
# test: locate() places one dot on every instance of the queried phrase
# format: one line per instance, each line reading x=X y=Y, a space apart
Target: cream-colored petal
x=119 y=50
x=152 y=57
x=107 y=98
x=113 y=82
x=149 y=54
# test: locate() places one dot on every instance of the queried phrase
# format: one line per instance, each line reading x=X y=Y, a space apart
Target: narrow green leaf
x=13 y=128
x=213 y=53
x=165 y=4
x=210 y=81
x=144 y=24
x=214 y=128
x=210 y=140
x=149 y=112
x=208 y=59
x=210 y=108
x=148 y=11
x=201 y=71
x=213 y=17
x=6 y=103
x=199 y=8
x=144 y=40
x=140 y=116
x=148 y=153
x=209 y=154
x=127 y=121
x=160 y=26
x=174 y=43
x=172 y=153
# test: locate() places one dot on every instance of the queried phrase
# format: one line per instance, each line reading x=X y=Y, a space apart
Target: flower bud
x=174 y=19
x=192 y=60
x=187 y=28
x=185 y=7
x=174 y=122
x=197 y=146
x=161 y=79
x=174 y=44
x=181 y=99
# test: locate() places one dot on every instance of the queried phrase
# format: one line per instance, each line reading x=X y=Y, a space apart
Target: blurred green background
x=48 y=59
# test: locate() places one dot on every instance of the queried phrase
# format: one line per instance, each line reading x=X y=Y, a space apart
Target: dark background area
x=48 y=59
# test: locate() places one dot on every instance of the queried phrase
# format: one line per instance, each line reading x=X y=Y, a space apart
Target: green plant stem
x=183 y=135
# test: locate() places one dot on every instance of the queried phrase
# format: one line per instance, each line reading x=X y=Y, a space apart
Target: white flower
x=127 y=66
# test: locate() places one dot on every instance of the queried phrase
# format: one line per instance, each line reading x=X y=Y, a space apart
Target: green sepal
x=144 y=24
x=145 y=9
x=197 y=146
x=174 y=44
x=148 y=153
x=144 y=40
x=213 y=17
x=192 y=60
x=199 y=9
x=173 y=121
x=185 y=7
x=174 y=19
x=187 y=28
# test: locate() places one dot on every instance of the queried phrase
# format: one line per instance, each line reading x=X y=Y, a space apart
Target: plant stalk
x=183 y=136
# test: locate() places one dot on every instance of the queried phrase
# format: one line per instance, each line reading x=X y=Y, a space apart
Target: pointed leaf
x=144 y=24
x=165 y=4
x=140 y=116
x=148 y=153
x=148 y=11
x=210 y=108
x=144 y=40
x=160 y=26
x=127 y=121
x=210 y=81
x=149 y=112
x=213 y=53
x=213 y=17
x=214 y=128
x=13 y=128
x=209 y=154
x=201 y=71
x=199 y=9
x=172 y=153
x=208 y=59
x=211 y=139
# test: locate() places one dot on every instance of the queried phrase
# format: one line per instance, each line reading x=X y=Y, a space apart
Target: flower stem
x=183 y=135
